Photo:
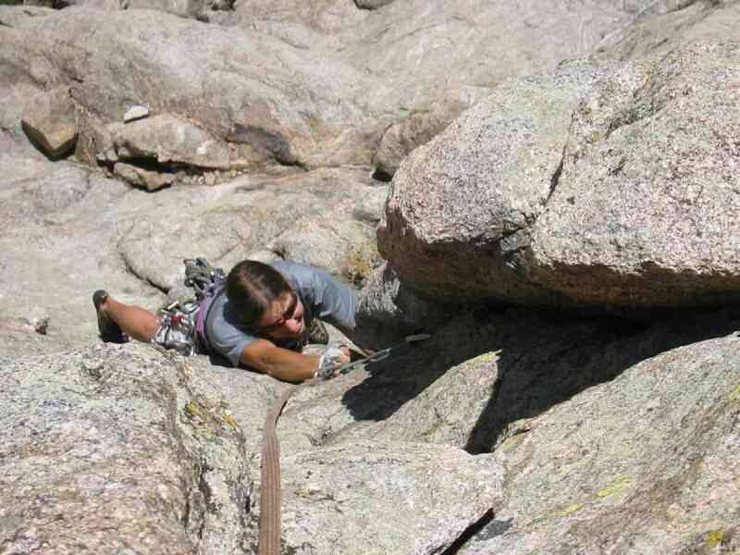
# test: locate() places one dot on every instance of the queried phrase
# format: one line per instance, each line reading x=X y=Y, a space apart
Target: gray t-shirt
x=321 y=295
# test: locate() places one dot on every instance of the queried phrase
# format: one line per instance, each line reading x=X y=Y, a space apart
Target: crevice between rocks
x=555 y=179
x=468 y=533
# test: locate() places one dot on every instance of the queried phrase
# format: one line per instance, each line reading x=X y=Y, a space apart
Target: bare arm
x=286 y=365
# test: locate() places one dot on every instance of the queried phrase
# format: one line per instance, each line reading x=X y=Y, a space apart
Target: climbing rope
x=270 y=499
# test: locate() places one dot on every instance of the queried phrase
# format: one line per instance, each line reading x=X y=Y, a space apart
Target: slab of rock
x=134 y=113
x=49 y=120
x=119 y=449
x=369 y=498
x=645 y=463
x=58 y=235
x=227 y=222
x=140 y=177
x=243 y=77
x=264 y=76
x=663 y=30
x=168 y=140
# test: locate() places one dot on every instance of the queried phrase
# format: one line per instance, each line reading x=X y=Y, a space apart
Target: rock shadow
x=543 y=359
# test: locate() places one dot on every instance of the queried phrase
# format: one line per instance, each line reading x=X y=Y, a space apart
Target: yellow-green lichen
x=230 y=420
x=735 y=395
x=615 y=487
x=208 y=415
x=485 y=358
x=570 y=509
x=716 y=537
x=359 y=263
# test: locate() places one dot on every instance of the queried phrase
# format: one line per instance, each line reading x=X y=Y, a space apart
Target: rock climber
x=260 y=317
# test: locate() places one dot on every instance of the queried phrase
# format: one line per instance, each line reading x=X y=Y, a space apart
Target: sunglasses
x=287 y=315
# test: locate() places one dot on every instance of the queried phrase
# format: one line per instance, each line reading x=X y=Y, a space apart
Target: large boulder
x=644 y=210
x=605 y=185
x=169 y=141
x=50 y=122
x=120 y=450
x=460 y=207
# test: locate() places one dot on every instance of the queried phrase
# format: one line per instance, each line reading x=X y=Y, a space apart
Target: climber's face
x=284 y=318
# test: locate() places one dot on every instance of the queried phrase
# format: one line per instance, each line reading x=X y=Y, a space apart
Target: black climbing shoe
x=110 y=332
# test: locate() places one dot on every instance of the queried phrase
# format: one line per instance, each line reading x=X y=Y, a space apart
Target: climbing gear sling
x=208 y=282
x=270 y=518
x=182 y=323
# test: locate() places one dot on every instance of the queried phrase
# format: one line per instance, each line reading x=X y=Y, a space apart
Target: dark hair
x=251 y=287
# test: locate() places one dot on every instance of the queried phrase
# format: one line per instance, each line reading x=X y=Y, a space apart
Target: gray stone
x=145 y=179
x=49 y=121
x=120 y=448
x=645 y=209
x=227 y=222
x=403 y=137
x=369 y=498
x=168 y=140
x=460 y=206
x=345 y=247
x=647 y=462
x=134 y=113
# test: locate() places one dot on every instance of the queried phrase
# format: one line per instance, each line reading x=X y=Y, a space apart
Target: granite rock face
x=644 y=209
x=252 y=80
x=232 y=221
x=581 y=155
x=603 y=185
x=375 y=498
x=460 y=208
x=612 y=488
x=119 y=439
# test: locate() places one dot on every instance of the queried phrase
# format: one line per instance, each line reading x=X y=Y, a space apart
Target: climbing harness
x=177 y=327
x=183 y=323
x=208 y=283
x=270 y=519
